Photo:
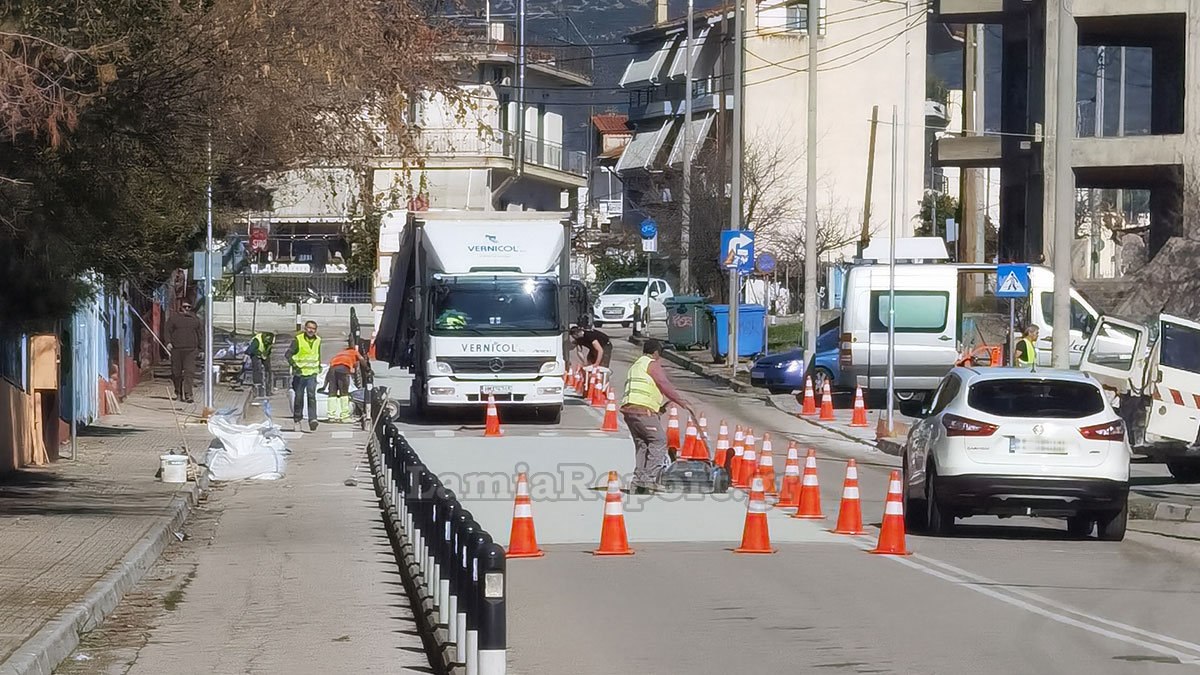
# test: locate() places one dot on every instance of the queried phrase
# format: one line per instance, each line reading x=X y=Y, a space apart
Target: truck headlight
x=443 y=368
x=548 y=367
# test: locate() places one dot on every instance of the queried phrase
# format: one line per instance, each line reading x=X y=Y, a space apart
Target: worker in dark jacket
x=185 y=338
x=260 y=362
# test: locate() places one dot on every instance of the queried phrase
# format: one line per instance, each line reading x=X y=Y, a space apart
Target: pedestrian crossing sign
x=1012 y=281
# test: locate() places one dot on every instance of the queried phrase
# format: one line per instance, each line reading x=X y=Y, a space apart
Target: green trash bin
x=687 y=321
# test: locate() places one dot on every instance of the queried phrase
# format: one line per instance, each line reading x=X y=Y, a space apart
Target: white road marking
x=342 y=434
x=443 y=433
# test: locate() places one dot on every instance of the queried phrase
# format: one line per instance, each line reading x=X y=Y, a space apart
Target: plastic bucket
x=174 y=468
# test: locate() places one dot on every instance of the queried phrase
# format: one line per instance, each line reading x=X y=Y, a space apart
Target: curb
x=440 y=652
x=42 y=653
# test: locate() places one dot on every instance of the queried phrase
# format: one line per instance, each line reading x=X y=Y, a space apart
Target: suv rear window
x=1036 y=398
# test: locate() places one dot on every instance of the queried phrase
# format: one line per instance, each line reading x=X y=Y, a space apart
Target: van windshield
x=916 y=311
x=1036 y=398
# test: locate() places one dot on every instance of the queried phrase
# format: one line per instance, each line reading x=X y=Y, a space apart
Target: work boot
x=312 y=425
x=296 y=426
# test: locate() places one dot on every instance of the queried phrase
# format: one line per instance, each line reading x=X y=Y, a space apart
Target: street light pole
x=685 y=217
x=735 y=188
x=811 y=320
x=209 y=304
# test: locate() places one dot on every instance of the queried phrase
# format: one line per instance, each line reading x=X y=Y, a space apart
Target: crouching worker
x=343 y=368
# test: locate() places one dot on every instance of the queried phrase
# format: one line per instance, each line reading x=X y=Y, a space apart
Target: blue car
x=784 y=372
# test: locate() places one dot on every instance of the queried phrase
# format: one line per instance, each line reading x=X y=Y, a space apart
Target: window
x=1036 y=398
x=14 y=359
x=916 y=311
x=1081 y=319
x=797 y=17
x=626 y=288
x=1113 y=347
x=945 y=394
x=1180 y=347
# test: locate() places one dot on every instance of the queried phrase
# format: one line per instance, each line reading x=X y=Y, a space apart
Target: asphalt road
x=1001 y=596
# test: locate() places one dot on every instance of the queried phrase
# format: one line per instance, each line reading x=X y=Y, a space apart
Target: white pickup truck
x=1153 y=376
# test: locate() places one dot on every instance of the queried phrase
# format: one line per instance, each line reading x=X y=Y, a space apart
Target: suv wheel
x=941 y=521
x=1111 y=526
x=915 y=515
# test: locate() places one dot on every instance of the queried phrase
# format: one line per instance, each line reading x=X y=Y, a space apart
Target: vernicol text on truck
x=477 y=306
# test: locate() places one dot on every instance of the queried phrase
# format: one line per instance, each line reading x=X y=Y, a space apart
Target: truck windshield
x=626 y=288
x=494 y=305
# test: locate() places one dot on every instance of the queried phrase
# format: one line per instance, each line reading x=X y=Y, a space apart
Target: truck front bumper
x=546 y=390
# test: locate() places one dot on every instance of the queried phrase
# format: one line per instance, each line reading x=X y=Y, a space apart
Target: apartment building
x=864 y=46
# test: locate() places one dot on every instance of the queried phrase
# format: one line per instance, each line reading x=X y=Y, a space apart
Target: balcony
x=457 y=145
x=498 y=42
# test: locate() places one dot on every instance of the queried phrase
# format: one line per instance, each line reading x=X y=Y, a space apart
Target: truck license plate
x=495 y=389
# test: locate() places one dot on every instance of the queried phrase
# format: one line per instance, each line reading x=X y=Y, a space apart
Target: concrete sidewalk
x=75 y=535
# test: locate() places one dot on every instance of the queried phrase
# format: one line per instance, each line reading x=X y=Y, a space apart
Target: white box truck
x=478 y=305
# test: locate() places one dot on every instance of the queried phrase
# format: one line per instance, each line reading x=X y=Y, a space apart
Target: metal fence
x=462 y=142
x=501 y=38
x=287 y=288
x=453 y=571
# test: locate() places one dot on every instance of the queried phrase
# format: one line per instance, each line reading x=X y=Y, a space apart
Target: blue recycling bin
x=752 y=325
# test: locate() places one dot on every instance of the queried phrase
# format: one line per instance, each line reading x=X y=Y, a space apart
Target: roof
x=611 y=123
x=656 y=31
x=980 y=373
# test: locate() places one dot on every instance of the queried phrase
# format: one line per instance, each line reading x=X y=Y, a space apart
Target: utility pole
x=969 y=178
x=520 y=149
x=735 y=162
x=1093 y=259
x=1121 y=129
x=905 y=115
x=812 y=321
x=864 y=237
x=1064 y=181
x=891 y=340
x=209 y=304
x=685 y=216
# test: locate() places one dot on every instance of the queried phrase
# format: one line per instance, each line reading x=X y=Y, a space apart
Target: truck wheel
x=1185 y=470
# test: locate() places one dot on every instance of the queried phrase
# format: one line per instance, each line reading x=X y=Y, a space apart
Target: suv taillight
x=845 y=353
x=1110 y=431
x=961 y=426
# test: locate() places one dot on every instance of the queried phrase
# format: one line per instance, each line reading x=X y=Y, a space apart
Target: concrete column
x=1058 y=199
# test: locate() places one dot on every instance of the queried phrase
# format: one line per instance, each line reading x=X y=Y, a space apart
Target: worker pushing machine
x=647 y=390
x=343 y=367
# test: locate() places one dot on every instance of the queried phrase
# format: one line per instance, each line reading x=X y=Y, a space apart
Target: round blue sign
x=765 y=263
x=649 y=228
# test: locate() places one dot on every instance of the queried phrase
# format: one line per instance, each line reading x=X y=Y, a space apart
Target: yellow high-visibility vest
x=308 y=355
x=640 y=388
x=1031 y=350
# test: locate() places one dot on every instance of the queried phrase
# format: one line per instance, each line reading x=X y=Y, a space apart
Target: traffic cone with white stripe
x=610 y=413
x=599 y=397
x=739 y=450
x=850 y=510
x=859 y=417
x=673 y=429
x=689 y=441
x=749 y=461
x=522 y=542
x=492 y=428
x=809 y=408
x=756 y=538
x=826 y=404
x=613 y=539
x=810 y=490
x=722 y=445
x=766 y=466
x=891 y=534
x=700 y=451
x=789 y=492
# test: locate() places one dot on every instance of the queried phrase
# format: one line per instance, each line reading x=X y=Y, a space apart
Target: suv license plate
x=495 y=390
x=1031 y=447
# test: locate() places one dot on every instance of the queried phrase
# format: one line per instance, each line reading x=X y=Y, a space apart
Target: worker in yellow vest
x=304 y=355
x=647 y=391
x=1027 y=347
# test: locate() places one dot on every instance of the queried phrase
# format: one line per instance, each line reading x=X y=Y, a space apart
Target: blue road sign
x=1012 y=281
x=649 y=228
x=764 y=263
x=737 y=250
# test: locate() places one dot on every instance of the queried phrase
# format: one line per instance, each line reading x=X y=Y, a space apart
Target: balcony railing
x=457 y=142
x=501 y=38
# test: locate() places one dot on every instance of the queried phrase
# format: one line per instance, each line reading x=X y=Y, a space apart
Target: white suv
x=615 y=304
x=1009 y=441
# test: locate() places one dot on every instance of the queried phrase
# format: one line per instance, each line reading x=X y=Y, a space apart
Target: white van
x=929 y=325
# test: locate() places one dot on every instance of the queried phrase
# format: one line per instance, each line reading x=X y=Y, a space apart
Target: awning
x=701 y=125
x=649 y=69
x=646 y=145
x=679 y=63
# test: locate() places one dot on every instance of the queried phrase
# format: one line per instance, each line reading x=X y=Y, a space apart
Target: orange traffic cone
x=522 y=542
x=739 y=451
x=610 y=413
x=997 y=359
x=599 y=391
x=810 y=400
x=891 y=534
x=589 y=382
x=749 y=460
x=859 y=418
x=613 y=539
x=850 y=511
x=789 y=493
x=722 y=444
x=673 y=429
x=810 y=490
x=756 y=538
x=766 y=466
x=700 y=450
x=826 y=403
x=689 y=441
x=493 y=419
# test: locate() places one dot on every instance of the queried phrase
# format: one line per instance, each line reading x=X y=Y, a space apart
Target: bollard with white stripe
x=466 y=538
x=443 y=555
x=493 y=631
x=472 y=593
